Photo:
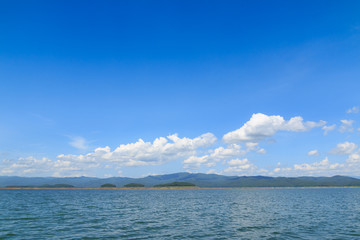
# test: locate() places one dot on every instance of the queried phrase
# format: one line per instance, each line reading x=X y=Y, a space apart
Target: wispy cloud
x=354 y=109
x=79 y=143
x=313 y=153
x=344 y=148
x=346 y=126
x=328 y=129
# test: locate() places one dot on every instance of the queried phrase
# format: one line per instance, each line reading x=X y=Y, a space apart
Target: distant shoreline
x=152 y=188
x=181 y=180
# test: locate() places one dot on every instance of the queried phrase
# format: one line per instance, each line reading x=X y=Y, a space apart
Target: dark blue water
x=180 y=214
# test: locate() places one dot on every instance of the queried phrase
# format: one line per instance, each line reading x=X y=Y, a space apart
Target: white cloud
x=353 y=158
x=27 y=166
x=232 y=150
x=221 y=153
x=261 y=151
x=261 y=126
x=346 y=126
x=140 y=153
x=79 y=143
x=196 y=162
x=215 y=155
x=322 y=168
x=345 y=148
x=327 y=129
x=171 y=148
x=354 y=109
x=251 y=146
x=317 y=166
x=313 y=153
x=350 y=167
x=213 y=171
x=243 y=166
x=31 y=166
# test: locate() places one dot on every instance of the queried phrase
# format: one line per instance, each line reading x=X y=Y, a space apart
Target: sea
x=309 y=213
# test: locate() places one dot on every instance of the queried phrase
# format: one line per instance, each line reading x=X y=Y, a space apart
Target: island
x=134 y=185
x=60 y=185
x=176 y=185
x=108 y=185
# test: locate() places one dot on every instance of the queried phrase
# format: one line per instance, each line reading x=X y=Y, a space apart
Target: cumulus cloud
x=261 y=126
x=214 y=156
x=194 y=152
x=354 y=109
x=328 y=129
x=27 y=165
x=322 y=168
x=317 y=166
x=140 y=153
x=194 y=162
x=31 y=166
x=345 y=148
x=353 y=159
x=237 y=166
x=313 y=153
x=251 y=146
x=346 y=126
x=221 y=153
x=351 y=166
x=230 y=151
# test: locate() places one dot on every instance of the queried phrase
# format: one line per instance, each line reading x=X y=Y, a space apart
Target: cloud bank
x=235 y=155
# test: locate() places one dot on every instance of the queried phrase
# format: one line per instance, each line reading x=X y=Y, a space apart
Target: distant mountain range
x=199 y=179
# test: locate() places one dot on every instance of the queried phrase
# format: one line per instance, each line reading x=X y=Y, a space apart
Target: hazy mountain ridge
x=199 y=179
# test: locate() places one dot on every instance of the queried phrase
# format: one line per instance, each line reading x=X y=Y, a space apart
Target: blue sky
x=229 y=87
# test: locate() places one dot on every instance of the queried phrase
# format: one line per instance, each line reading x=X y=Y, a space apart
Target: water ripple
x=180 y=214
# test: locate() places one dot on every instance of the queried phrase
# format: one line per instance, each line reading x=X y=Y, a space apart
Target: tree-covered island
x=108 y=185
x=176 y=185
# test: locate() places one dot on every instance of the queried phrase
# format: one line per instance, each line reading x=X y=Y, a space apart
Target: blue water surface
x=331 y=213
